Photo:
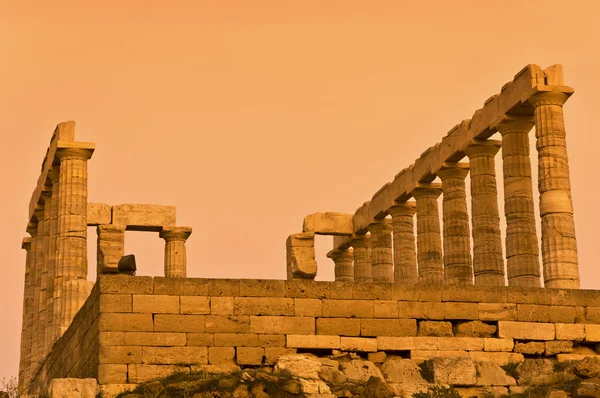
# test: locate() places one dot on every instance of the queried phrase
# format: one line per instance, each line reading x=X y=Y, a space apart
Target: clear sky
x=249 y=115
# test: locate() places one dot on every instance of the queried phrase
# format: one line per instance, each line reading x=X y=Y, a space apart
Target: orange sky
x=249 y=115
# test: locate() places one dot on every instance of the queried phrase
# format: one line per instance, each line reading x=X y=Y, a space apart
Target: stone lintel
x=329 y=223
x=98 y=214
x=380 y=202
x=141 y=217
x=361 y=219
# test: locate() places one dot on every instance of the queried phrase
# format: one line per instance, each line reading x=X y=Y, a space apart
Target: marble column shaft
x=488 y=262
x=72 y=233
x=175 y=252
x=522 y=252
x=51 y=308
x=363 y=269
x=43 y=342
x=382 y=256
x=458 y=267
x=405 y=257
x=559 y=244
x=344 y=267
x=429 y=239
x=37 y=269
x=25 y=351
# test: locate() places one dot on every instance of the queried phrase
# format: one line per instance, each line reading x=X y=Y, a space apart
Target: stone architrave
x=458 y=267
x=142 y=217
x=522 y=252
x=382 y=256
x=344 y=267
x=51 y=308
x=488 y=262
x=111 y=247
x=405 y=257
x=24 y=362
x=559 y=244
x=72 y=232
x=429 y=239
x=300 y=251
x=363 y=268
x=329 y=223
x=175 y=251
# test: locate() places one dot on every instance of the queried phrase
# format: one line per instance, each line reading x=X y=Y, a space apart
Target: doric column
x=405 y=257
x=382 y=256
x=25 y=362
x=72 y=232
x=429 y=239
x=488 y=263
x=343 y=260
x=110 y=247
x=363 y=269
x=43 y=342
x=458 y=268
x=51 y=308
x=559 y=245
x=175 y=253
x=522 y=253
x=37 y=268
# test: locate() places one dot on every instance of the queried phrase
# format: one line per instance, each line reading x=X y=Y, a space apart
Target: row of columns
x=379 y=258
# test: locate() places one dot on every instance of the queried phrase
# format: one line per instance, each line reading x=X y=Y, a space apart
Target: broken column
x=488 y=263
x=522 y=253
x=300 y=251
x=429 y=239
x=382 y=257
x=344 y=268
x=405 y=257
x=175 y=251
x=458 y=269
x=363 y=269
x=72 y=232
x=111 y=247
x=559 y=244
x=45 y=316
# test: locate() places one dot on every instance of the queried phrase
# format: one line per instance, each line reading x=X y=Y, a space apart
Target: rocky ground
x=348 y=375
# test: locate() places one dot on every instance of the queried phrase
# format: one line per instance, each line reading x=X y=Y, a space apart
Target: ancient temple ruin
x=395 y=291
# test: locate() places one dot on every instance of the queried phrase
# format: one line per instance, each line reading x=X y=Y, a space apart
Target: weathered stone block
x=140 y=373
x=530 y=348
x=271 y=340
x=200 y=339
x=421 y=310
x=358 y=344
x=338 y=326
x=111 y=338
x=497 y=312
x=155 y=339
x=73 y=388
x=407 y=292
x=348 y=309
x=120 y=354
x=526 y=330
x=112 y=374
x=313 y=341
x=372 y=291
x=377 y=357
x=592 y=333
x=194 y=305
x=432 y=328
x=474 y=329
x=272 y=354
x=111 y=322
x=116 y=303
x=194 y=287
x=501 y=358
x=227 y=324
x=169 y=286
x=306 y=288
x=221 y=305
x=461 y=311
x=221 y=355
x=249 y=355
x=570 y=331
x=175 y=355
x=300 y=254
x=179 y=323
x=490 y=374
x=282 y=325
x=385 y=308
x=98 y=213
x=557 y=347
x=506 y=345
x=308 y=307
x=328 y=223
x=224 y=287
x=144 y=217
x=460 y=343
x=407 y=343
x=419 y=356
x=458 y=371
x=113 y=390
x=262 y=288
x=125 y=284
x=264 y=306
x=235 y=340
x=562 y=313
x=156 y=304
x=388 y=327
x=533 y=313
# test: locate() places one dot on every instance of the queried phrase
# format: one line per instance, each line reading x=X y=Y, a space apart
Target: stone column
x=405 y=257
x=458 y=268
x=382 y=256
x=429 y=239
x=37 y=269
x=559 y=244
x=300 y=256
x=363 y=268
x=52 y=309
x=110 y=248
x=488 y=262
x=24 y=361
x=175 y=252
x=72 y=233
x=344 y=268
x=44 y=341
x=522 y=252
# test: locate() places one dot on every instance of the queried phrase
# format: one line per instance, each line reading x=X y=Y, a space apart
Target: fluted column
x=43 y=341
x=52 y=309
x=110 y=248
x=559 y=244
x=429 y=239
x=343 y=260
x=25 y=361
x=37 y=268
x=363 y=269
x=175 y=252
x=381 y=251
x=72 y=233
x=488 y=263
x=522 y=252
x=405 y=257
x=458 y=268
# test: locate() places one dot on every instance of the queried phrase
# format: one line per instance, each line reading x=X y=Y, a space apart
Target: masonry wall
x=75 y=354
x=149 y=327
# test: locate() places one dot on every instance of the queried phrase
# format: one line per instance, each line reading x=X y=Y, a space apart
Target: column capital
x=32 y=228
x=74 y=153
x=383 y=226
x=38 y=213
x=516 y=124
x=54 y=173
x=360 y=241
x=479 y=148
x=403 y=209
x=335 y=254
x=450 y=170
x=432 y=190
x=171 y=234
x=548 y=98
x=26 y=243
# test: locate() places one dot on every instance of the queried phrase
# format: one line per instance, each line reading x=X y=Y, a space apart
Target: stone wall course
x=533 y=313
x=221 y=355
x=262 y=288
x=526 y=330
x=421 y=310
x=117 y=322
x=264 y=306
x=308 y=307
x=338 y=326
x=429 y=293
x=388 y=327
x=140 y=373
x=236 y=340
x=224 y=287
x=372 y=291
x=175 y=355
x=199 y=305
x=385 y=309
x=120 y=354
x=313 y=341
x=116 y=303
x=126 y=284
x=497 y=311
x=156 y=304
x=271 y=340
x=456 y=311
x=475 y=294
x=567 y=331
x=249 y=355
x=222 y=305
x=154 y=339
x=282 y=325
x=348 y=309
x=303 y=288
x=199 y=339
x=179 y=323
x=227 y=324
x=358 y=344
x=112 y=373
